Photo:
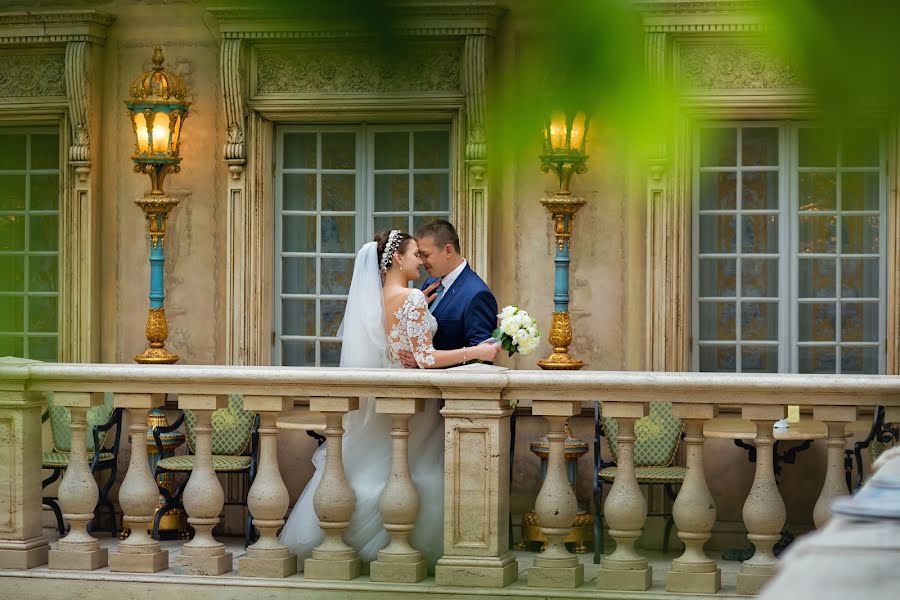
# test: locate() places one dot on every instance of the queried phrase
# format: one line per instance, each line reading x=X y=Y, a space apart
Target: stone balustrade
x=476 y=411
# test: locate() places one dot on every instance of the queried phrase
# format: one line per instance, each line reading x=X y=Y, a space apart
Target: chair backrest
x=656 y=436
x=60 y=418
x=231 y=425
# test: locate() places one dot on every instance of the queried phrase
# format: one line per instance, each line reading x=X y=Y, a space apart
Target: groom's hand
x=407 y=359
x=429 y=292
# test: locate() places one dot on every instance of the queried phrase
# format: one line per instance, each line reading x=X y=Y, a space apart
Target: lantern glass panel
x=558 y=131
x=160 y=132
x=579 y=130
x=176 y=132
x=140 y=130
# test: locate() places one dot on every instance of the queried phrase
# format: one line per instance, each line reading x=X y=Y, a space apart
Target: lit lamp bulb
x=576 y=136
x=558 y=130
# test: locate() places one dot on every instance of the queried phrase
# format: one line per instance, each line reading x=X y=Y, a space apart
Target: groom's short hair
x=441 y=231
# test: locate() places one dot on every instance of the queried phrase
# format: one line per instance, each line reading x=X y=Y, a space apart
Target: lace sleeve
x=417 y=329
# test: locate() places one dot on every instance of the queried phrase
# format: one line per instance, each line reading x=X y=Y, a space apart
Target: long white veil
x=364 y=341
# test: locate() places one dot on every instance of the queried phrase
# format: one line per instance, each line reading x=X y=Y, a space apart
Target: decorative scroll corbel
x=474 y=75
x=78 y=90
x=233 y=93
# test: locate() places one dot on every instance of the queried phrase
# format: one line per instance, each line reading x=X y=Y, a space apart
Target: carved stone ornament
x=35 y=75
x=430 y=68
x=734 y=66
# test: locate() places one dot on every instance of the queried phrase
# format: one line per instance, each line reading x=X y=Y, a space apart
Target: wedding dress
x=366 y=440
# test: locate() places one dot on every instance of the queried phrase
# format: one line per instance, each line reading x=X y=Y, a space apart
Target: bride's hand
x=486 y=351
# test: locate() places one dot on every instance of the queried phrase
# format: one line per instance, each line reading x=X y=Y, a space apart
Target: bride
x=382 y=317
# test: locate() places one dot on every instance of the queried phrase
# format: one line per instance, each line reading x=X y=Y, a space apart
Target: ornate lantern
x=565 y=135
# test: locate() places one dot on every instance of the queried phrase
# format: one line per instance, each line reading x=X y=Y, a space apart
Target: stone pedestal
x=78 y=493
x=836 y=418
x=139 y=553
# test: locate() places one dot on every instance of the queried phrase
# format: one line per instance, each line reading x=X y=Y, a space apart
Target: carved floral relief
x=734 y=66
x=32 y=75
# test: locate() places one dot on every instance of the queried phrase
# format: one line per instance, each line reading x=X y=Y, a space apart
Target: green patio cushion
x=60 y=460
x=60 y=418
x=657 y=436
x=231 y=428
x=220 y=463
x=649 y=474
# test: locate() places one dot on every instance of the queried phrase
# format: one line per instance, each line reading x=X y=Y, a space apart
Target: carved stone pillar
x=268 y=499
x=139 y=494
x=334 y=500
x=203 y=495
x=78 y=493
x=625 y=508
x=399 y=562
x=694 y=510
x=764 y=511
x=22 y=545
x=475 y=225
x=556 y=506
x=836 y=418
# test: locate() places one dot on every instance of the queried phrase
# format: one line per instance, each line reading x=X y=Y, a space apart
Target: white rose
x=507 y=312
x=509 y=326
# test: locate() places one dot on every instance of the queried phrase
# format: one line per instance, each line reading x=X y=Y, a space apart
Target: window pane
x=860 y=148
x=861 y=361
x=338 y=234
x=718 y=277
x=431 y=150
x=43 y=348
x=392 y=150
x=718 y=147
x=338 y=192
x=400 y=222
x=43 y=232
x=859 y=278
x=299 y=151
x=818 y=148
x=717 y=321
x=759 y=359
x=759 y=321
x=859 y=235
x=298 y=275
x=392 y=193
x=817 y=191
x=859 y=322
x=42 y=314
x=12 y=345
x=299 y=191
x=431 y=192
x=336 y=275
x=12 y=191
x=12 y=152
x=718 y=191
x=817 y=234
x=12 y=273
x=759 y=234
x=44 y=151
x=759 y=190
x=298 y=353
x=298 y=317
x=718 y=359
x=759 y=277
x=12 y=313
x=338 y=150
x=817 y=321
x=759 y=146
x=817 y=360
x=859 y=191
x=717 y=233
x=817 y=278
x=12 y=232
x=331 y=316
x=44 y=192
x=298 y=233
x=331 y=354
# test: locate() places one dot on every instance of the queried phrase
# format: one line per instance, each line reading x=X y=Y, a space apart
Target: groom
x=465 y=308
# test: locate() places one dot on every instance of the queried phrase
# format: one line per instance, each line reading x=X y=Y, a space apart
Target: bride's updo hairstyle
x=399 y=241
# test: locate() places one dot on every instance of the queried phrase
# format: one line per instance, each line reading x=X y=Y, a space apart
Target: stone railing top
x=468 y=383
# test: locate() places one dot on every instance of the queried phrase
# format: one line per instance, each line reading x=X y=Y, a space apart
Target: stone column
x=334 y=500
x=476 y=489
x=556 y=506
x=203 y=496
x=22 y=545
x=764 y=511
x=139 y=494
x=625 y=508
x=836 y=418
x=399 y=562
x=268 y=499
x=78 y=493
x=694 y=510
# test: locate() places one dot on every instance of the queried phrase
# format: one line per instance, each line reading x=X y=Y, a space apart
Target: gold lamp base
x=560 y=337
x=560 y=361
x=157 y=332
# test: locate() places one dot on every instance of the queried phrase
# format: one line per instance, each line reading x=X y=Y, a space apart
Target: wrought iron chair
x=100 y=420
x=657 y=437
x=881 y=437
x=235 y=448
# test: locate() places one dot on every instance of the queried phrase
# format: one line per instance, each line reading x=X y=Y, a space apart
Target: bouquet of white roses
x=517 y=332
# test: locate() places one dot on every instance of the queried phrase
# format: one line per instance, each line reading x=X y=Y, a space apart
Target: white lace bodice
x=413 y=331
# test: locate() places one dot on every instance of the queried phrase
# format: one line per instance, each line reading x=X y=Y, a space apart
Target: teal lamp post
x=565 y=134
x=157 y=108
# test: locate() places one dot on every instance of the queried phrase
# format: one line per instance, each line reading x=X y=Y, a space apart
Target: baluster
x=203 y=495
x=334 y=499
x=764 y=511
x=836 y=419
x=139 y=494
x=694 y=510
x=399 y=562
x=625 y=508
x=78 y=493
x=556 y=506
x=268 y=497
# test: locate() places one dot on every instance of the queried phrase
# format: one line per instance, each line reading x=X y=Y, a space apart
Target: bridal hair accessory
x=393 y=242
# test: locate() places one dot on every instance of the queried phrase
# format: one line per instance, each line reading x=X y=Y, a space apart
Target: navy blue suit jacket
x=467 y=313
